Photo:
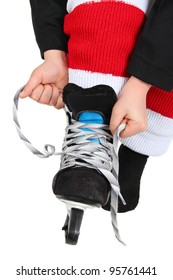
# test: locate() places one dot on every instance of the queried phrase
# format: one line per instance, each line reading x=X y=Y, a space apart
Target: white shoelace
x=79 y=150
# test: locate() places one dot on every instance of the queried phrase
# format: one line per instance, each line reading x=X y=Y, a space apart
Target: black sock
x=131 y=166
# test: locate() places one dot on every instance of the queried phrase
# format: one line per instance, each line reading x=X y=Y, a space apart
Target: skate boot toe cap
x=82 y=184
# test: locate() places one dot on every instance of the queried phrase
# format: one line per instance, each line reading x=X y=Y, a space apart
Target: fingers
x=44 y=94
x=43 y=85
x=60 y=103
x=132 y=125
x=132 y=128
x=54 y=96
x=37 y=92
x=49 y=95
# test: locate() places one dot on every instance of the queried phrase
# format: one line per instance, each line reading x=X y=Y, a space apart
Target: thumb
x=33 y=82
x=117 y=118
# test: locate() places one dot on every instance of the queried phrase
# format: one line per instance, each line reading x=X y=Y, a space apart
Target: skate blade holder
x=75 y=212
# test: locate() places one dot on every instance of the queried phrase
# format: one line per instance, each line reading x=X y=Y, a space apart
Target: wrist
x=139 y=84
x=55 y=56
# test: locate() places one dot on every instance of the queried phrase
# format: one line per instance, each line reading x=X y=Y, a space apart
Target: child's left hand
x=131 y=108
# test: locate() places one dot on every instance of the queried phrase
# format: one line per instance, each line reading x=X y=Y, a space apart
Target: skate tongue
x=91 y=118
x=97 y=101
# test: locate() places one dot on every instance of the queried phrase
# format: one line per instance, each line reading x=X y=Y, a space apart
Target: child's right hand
x=47 y=81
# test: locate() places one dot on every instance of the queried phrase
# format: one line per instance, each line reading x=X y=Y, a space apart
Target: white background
x=30 y=215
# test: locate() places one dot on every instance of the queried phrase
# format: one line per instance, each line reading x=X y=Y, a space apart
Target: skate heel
x=75 y=213
x=72 y=225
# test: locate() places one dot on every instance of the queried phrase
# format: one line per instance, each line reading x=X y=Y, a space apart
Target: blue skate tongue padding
x=91 y=118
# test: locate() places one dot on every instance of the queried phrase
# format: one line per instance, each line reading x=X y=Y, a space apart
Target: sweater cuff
x=149 y=73
x=52 y=43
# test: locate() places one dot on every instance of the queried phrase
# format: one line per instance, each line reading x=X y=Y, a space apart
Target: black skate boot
x=85 y=178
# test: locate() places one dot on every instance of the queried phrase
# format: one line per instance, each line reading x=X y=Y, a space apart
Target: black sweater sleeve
x=152 y=58
x=48 y=20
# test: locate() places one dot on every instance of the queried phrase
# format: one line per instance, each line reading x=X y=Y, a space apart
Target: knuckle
x=34 y=72
x=116 y=111
x=35 y=97
x=44 y=101
x=143 y=126
x=52 y=103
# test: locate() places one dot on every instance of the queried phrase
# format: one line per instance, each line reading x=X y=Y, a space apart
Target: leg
x=154 y=141
x=131 y=166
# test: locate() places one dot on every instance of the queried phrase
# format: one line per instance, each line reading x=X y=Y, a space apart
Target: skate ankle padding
x=99 y=99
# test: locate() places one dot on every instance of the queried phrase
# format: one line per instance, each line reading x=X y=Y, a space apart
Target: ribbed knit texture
x=156 y=139
x=160 y=101
x=102 y=35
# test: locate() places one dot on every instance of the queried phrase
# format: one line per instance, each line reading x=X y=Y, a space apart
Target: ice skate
x=86 y=176
x=88 y=170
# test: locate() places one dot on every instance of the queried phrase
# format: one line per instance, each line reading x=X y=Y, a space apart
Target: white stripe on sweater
x=143 y=5
x=87 y=79
x=156 y=139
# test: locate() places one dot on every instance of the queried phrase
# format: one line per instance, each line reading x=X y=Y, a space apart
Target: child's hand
x=131 y=108
x=48 y=80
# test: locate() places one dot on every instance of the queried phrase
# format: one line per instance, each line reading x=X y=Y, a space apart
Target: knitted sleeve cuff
x=48 y=23
x=50 y=42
